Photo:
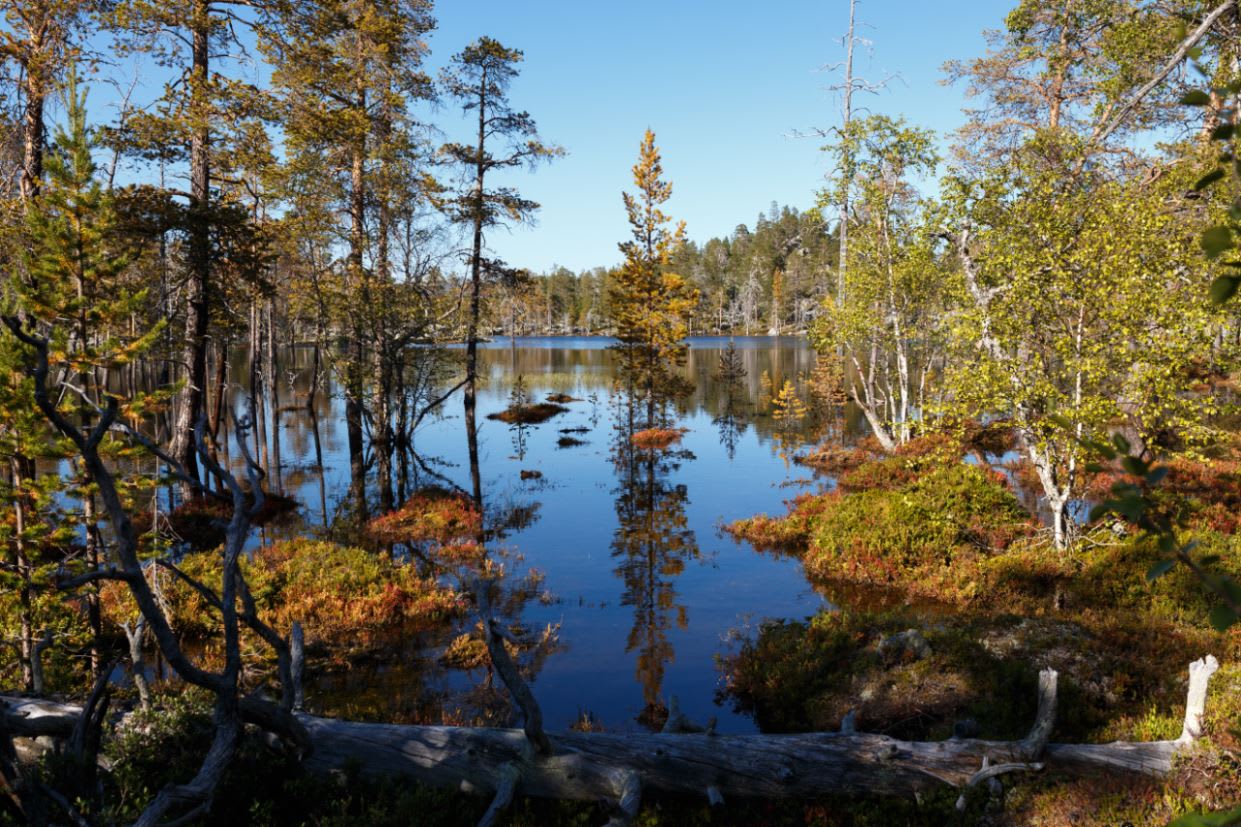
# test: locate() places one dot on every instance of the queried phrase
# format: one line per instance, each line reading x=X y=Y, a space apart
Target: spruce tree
x=650 y=305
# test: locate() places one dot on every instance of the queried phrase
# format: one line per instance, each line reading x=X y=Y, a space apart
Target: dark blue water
x=644 y=590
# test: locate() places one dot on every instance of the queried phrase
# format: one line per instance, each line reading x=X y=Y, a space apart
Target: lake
x=644 y=590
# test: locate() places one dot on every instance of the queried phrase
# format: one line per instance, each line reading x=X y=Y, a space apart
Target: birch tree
x=1087 y=303
x=886 y=324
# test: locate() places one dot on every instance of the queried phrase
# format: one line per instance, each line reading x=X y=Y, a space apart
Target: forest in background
x=761 y=279
x=1041 y=301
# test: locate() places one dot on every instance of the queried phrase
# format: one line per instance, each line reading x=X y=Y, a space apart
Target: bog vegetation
x=1033 y=318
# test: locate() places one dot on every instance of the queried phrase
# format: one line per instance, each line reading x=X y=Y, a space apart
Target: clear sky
x=723 y=83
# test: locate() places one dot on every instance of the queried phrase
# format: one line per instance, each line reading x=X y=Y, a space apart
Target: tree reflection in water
x=652 y=544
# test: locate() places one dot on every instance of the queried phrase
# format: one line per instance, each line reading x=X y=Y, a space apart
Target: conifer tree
x=185 y=125
x=346 y=74
x=650 y=305
x=479 y=79
x=77 y=293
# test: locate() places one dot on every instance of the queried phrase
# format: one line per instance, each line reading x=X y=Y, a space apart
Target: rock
x=531 y=475
x=904 y=646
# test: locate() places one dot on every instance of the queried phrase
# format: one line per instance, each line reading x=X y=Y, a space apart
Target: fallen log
x=619 y=767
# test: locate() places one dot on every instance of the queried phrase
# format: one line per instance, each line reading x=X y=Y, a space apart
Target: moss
x=929 y=534
x=431 y=516
x=1117 y=681
x=534 y=414
x=346 y=598
x=798 y=677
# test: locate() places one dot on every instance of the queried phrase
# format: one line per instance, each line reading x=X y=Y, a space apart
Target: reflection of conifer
x=731 y=369
x=519 y=400
x=652 y=544
x=731 y=426
x=766 y=389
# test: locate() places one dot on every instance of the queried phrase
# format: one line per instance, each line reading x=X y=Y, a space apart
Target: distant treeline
x=773 y=275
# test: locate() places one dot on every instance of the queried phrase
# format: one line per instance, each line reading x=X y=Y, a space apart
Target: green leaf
x=1223 y=818
x=1098 y=512
x=1159 y=570
x=1230 y=587
x=1156 y=475
x=1121 y=443
x=1131 y=508
x=1216 y=240
x=1223 y=288
x=1134 y=466
x=1223 y=132
x=1222 y=618
x=1209 y=179
x=1196 y=97
x=1100 y=448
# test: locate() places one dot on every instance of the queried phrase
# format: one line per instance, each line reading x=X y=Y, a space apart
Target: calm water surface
x=644 y=589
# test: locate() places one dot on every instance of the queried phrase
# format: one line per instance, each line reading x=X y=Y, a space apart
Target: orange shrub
x=657 y=439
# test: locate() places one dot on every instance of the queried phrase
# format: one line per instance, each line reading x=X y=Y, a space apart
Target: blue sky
x=723 y=84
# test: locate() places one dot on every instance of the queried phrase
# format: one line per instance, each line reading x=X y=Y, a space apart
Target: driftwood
x=618 y=767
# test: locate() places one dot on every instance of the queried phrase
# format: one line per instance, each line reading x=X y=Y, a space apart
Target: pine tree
x=77 y=293
x=650 y=305
x=346 y=74
x=479 y=79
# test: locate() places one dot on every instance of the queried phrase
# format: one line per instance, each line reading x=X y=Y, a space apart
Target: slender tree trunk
x=257 y=413
x=194 y=354
x=382 y=355
x=24 y=575
x=271 y=369
x=471 y=344
x=354 y=389
x=847 y=116
x=221 y=395
x=33 y=138
x=23 y=468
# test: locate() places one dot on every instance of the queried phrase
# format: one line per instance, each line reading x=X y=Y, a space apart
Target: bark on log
x=617 y=767
x=763 y=766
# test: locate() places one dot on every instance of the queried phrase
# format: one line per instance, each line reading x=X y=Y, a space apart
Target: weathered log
x=618 y=767
x=764 y=766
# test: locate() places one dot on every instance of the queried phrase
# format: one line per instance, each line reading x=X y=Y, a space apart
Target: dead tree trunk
x=618 y=767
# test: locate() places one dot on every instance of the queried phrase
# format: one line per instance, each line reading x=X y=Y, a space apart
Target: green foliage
x=650 y=304
x=1133 y=502
x=886 y=323
x=157 y=747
